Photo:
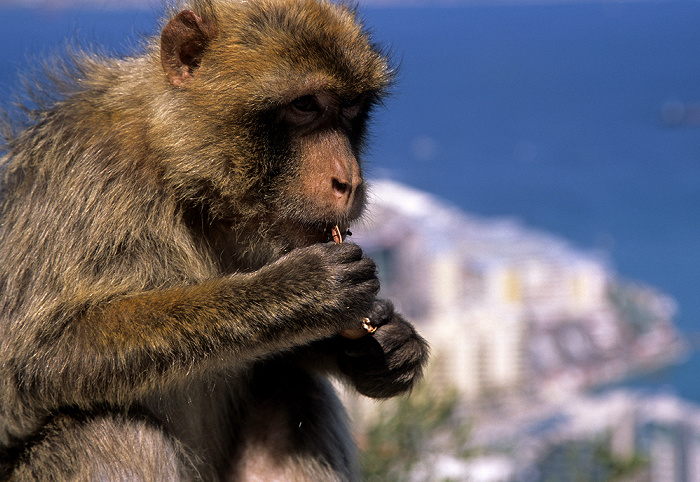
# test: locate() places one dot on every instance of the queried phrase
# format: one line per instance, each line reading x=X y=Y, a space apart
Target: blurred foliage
x=409 y=429
x=589 y=461
x=620 y=469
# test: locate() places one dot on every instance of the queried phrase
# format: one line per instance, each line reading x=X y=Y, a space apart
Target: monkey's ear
x=182 y=44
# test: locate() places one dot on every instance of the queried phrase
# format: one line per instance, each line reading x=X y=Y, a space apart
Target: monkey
x=172 y=304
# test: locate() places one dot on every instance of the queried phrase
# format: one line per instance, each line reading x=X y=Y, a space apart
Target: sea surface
x=547 y=113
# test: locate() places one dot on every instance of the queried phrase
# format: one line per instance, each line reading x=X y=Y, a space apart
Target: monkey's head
x=277 y=94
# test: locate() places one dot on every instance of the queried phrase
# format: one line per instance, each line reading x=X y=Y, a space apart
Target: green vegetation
x=589 y=461
x=407 y=430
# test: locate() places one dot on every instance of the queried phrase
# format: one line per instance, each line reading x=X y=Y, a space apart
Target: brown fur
x=170 y=306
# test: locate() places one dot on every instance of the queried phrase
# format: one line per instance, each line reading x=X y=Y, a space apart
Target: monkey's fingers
x=367 y=328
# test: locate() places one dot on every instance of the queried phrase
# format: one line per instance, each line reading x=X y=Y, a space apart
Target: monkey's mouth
x=336 y=233
x=308 y=235
x=325 y=234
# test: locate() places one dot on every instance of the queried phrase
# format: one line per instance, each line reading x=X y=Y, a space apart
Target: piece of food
x=367 y=328
x=337 y=236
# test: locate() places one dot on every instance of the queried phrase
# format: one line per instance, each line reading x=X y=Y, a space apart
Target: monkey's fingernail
x=368 y=326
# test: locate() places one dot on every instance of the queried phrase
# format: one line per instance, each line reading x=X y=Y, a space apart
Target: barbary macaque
x=172 y=300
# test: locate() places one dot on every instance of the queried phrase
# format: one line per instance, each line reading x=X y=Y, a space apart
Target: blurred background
x=536 y=211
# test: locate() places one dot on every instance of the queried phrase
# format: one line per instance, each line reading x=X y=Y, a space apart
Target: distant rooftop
x=447 y=226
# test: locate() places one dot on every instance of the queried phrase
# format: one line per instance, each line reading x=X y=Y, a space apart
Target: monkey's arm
x=383 y=364
x=113 y=351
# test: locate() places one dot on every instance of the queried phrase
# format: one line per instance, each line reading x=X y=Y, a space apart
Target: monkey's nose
x=341 y=189
x=344 y=188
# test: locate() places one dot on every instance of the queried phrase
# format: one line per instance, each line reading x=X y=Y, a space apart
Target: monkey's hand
x=390 y=360
x=325 y=288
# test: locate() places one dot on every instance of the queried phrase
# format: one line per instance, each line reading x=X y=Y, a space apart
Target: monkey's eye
x=306 y=104
x=351 y=108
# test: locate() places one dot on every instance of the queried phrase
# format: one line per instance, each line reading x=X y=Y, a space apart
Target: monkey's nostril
x=341 y=189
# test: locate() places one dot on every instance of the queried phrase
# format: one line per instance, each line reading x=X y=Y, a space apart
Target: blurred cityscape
x=524 y=328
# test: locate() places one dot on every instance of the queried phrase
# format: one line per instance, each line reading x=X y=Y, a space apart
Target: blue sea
x=548 y=113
